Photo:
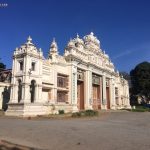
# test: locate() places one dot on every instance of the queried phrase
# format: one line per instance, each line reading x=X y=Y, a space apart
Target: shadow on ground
x=5 y=145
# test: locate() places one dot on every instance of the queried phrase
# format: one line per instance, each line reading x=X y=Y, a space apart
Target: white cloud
x=140 y=48
x=127 y=52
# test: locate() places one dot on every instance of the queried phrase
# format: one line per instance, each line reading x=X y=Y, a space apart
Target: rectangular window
x=21 y=65
x=62 y=81
x=107 y=82
x=116 y=91
x=62 y=96
x=80 y=75
x=33 y=66
x=96 y=79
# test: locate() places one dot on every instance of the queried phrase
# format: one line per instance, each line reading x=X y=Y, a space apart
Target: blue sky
x=122 y=26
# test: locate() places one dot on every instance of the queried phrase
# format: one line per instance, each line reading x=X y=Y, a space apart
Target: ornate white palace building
x=83 y=78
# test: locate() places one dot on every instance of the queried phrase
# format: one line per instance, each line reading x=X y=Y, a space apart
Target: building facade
x=83 y=78
x=5 y=79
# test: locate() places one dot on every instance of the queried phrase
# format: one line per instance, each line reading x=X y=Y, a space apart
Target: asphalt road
x=109 y=131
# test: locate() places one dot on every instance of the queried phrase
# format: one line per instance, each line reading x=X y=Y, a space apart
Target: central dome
x=91 y=39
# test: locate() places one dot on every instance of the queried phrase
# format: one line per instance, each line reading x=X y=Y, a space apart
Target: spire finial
x=53 y=39
x=54 y=45
x=29 y=39
x=77 y=35
x=92 y=33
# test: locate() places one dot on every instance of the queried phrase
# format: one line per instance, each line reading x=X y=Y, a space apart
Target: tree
x=140 y=79
x=2 y=66
x=125 y=75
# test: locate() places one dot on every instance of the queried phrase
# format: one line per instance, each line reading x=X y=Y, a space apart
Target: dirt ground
x=109 y=131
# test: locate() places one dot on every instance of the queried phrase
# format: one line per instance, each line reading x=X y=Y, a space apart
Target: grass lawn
x=141 y=109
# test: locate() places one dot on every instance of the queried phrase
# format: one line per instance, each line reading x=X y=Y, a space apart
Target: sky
x=122 y=26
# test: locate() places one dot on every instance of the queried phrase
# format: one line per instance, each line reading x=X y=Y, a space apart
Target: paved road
x=110 y=131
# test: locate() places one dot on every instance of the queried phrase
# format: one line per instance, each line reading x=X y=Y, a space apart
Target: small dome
x=77 y=40
x=71 y=43
x=53 y=48
x=91 y=38
x=54 y=44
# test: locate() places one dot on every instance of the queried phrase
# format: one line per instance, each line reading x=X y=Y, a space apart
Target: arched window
x=19 y=90
x=32 y=91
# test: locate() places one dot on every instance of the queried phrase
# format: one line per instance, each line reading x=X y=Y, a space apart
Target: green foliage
x=91 y=113
x=141 y=109
x=140 y=79
x=76 y=114
x=61 y=112
x=86 y=113
x=125 y=75
x=2 y=66
x=138 y=108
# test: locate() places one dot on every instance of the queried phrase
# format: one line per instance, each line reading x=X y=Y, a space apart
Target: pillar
x=88 y=89
x=26 y=96
x=14 y=86
x=74 y=88
x=112 y=93
x=104 y=101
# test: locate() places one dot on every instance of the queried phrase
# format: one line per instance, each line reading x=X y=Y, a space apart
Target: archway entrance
x=80 y=89
x=96 y=97
x=96 y=92
x=80 y=95
x=32 y=91
x=19 y=90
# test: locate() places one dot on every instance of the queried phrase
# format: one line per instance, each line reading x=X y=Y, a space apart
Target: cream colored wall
x=44 y=96
x=123 y=91
x=62 y=69
x=48 y=74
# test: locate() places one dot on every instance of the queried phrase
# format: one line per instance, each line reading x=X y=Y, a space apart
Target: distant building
x=5 y=79
x=83 y=78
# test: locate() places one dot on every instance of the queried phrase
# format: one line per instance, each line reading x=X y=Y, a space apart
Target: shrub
x=61 y=112
x=91 y=113
x=85 y=113
x=76 y=114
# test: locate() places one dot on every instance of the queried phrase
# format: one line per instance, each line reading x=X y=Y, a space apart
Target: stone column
x=14 y=86
x=26 y=95
x=14 y=94
x=101 y=91
x=74 y=88
x=88 y=89
x=104 y=101
x=55 y=85
x=112 y=94
x=127 y=97
x=39 y=94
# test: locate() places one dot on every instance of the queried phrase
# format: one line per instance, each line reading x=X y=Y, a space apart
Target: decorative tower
x=53 y=52
x=26 y=84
